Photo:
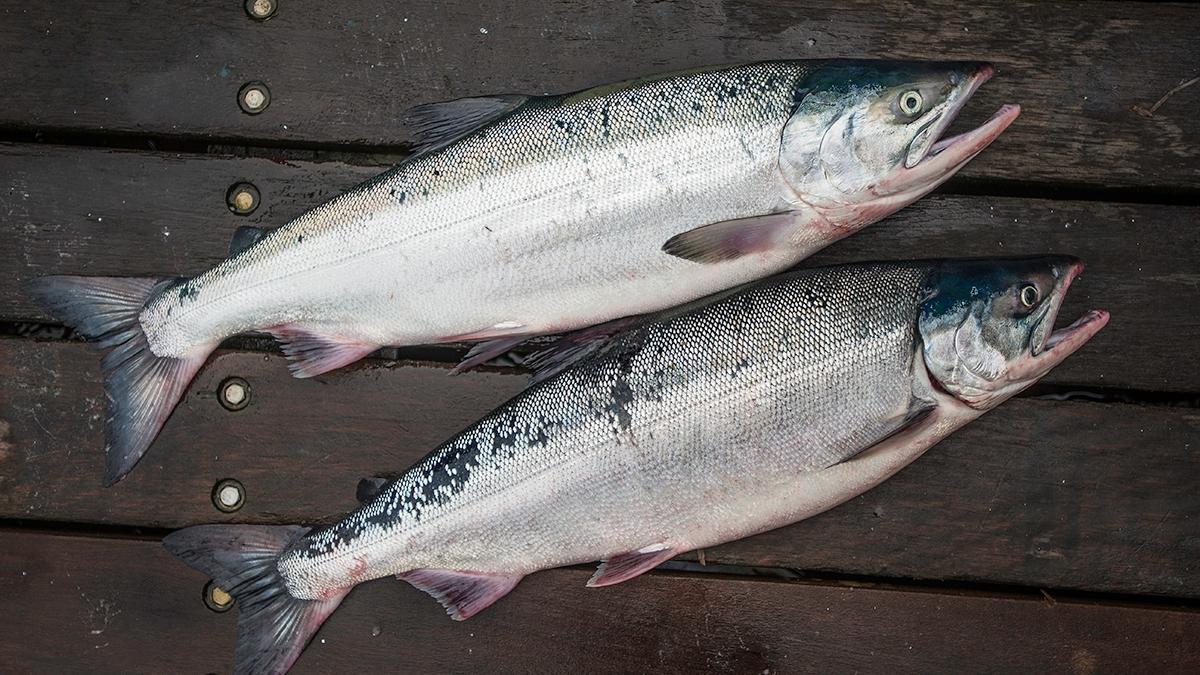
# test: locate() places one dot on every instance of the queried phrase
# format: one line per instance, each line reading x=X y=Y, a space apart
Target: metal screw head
x=215 y=597
x=254 y=97
x=234 y=393
x=261 y=10
x=242 y=198
x=228 y=495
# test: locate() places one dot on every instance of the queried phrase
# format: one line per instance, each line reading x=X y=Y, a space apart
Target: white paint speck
x=483 y=30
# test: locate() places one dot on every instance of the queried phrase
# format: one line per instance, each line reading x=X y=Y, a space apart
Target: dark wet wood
x=343 y=73
x=75 y=211
x=127 y=606
x=1084 y=496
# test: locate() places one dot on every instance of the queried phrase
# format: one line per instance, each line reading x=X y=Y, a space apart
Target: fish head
x=987 y=325
x=865 y=137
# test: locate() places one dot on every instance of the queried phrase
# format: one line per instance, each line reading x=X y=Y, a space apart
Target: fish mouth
x=1057 y=345
x=932 y=156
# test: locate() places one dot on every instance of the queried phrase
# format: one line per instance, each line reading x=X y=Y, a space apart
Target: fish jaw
x=944 y=159
x=946 y=156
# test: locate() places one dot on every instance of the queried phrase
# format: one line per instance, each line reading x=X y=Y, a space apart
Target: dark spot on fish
x=605 y=121
x=300 y=239
x=697 y=106
x=424 y=192
x=746 y=149
x=437 y=172
x=622 y=396
x=188 y=291
x=403 y=196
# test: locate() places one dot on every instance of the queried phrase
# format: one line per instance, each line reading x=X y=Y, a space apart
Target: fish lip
x=946 y=154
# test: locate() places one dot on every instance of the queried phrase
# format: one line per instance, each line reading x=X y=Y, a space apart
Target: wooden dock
x=1060 y=533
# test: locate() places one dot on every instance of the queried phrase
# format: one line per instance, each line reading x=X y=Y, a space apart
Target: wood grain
x=1083 y=496
x=75 y=211
x=343 y=73
x=109 y=605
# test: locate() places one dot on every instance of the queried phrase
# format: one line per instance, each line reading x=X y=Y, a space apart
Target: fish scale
x=653 y=440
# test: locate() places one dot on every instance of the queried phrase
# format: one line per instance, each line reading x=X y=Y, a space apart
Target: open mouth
x=946 y=154
x=1061 y=343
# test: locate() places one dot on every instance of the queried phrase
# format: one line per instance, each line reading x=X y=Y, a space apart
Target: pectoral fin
x=918 y=410
x=731 y=239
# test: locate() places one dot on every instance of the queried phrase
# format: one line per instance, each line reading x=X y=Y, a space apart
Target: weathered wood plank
x=73 y=211
x=110 y=605
x=1059 y=495
x=344 y=73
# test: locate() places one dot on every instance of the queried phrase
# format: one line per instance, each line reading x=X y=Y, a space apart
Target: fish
x=710 y=422
x=532 y=215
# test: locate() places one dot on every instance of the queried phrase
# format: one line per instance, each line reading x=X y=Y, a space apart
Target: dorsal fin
x=244 y=237
x=573 y=347
x=434 y=125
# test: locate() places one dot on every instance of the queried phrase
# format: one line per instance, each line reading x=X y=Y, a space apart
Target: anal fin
x=625 y=566
x=312 y=354
x=463 y=594
x=731 y=239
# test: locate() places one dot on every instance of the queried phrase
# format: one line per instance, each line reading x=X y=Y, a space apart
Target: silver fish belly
x=656 y=442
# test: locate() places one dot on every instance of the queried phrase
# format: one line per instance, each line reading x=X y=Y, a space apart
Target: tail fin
x=273 y=625
x=142 y=389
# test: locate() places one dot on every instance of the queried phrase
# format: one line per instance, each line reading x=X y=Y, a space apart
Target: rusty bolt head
x=215 y=597
x=242 y=198
x=261 y=10
x=254 y=97
x=228 y=495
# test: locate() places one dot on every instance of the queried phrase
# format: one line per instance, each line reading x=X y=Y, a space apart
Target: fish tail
x=273 y=625
x=142 y=388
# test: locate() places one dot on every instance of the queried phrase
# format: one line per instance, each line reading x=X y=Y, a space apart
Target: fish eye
x=1030 y=295
x=911 y=102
